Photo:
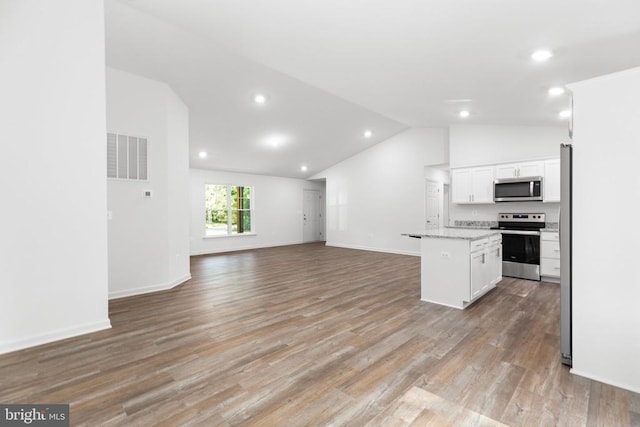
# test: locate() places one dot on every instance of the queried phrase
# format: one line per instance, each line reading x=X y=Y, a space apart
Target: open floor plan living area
x=254 y=339
x=319 y=213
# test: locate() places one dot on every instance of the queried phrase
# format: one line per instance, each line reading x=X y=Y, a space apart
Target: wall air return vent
x=127 y=157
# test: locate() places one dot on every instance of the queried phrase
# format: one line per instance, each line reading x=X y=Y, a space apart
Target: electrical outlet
x=445 y=254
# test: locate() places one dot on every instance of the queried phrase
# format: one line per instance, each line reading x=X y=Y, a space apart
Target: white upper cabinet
x=517 y=170
x=472 y=185
x=475 y=185
x=551 y=181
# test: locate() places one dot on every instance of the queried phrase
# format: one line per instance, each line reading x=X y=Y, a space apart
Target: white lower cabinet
x=456 y=272
x=486 y=266
x=495 y=259
x=550 y=255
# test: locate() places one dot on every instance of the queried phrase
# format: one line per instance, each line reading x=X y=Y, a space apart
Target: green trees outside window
x=228 y=209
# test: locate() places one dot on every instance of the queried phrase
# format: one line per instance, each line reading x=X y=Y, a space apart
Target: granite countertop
x=454 y=233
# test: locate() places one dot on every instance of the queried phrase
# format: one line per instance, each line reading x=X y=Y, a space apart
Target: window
x=228 y=209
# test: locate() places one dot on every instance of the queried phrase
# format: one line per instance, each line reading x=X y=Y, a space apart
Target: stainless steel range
x=521 y=244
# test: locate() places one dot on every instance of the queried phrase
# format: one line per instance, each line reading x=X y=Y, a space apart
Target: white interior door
x=433 y=198
x=311 y=216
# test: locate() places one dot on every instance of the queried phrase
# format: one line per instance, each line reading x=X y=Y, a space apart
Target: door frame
x=321 y=216
x=440 y=201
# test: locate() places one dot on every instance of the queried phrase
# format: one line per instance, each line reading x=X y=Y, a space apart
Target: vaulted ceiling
x=331 y=69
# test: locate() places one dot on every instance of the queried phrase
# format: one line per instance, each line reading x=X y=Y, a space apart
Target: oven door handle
x=522 y=232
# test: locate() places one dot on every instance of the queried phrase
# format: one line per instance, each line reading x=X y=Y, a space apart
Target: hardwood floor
x=313 y=335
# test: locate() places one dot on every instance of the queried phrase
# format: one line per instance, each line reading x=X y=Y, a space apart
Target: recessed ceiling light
x=555 y=91
x=303 y=168
x=260 y=99
x=275 y=140
x=541 y=55
x=464 y=114
x=367 y=133
x=202 y=154
x=564 y=114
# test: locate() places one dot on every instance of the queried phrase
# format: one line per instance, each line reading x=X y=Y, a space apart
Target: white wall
x=149 y=237
x=277 y=217
x=481 y=145
x=53 y=249
x=376 y=195
x=178 y=201
x=606 y=189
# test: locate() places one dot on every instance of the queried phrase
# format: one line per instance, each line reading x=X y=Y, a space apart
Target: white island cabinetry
x=486 y=265
x=459 y=265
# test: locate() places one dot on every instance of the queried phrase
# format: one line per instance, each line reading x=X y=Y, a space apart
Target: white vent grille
x=127 y=157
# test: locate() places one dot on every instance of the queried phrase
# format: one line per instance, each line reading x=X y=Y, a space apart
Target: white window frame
x=230 y=232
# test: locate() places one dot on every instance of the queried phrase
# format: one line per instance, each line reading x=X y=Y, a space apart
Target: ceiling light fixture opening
x=541 y=55
x=202 y=154
x=367 y=133
x=556 y=91
x=464 y=114
x=275 y=140
x=303 y=168
x=565 y=114
x=260 y=98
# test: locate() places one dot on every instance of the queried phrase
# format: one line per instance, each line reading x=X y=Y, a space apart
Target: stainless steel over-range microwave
x=519 y=189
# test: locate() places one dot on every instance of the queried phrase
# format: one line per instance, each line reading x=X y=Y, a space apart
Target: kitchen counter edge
x=454 y=233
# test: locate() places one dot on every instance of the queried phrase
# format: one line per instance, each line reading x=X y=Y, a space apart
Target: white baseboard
x=52 y=336
x=148 y=289
x=367 y=248
x=635 y=389
x=244 y=248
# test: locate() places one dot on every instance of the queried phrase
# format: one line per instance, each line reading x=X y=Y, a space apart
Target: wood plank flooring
x=314 y=335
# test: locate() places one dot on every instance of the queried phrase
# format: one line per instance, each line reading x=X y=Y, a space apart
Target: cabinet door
x=531 y=169
x=495 y=264
x=550 y=267
x=549 y=249
x=478 y=273
x=506 y=171
x=551 y=181
x=461 y=185
x=482 y=185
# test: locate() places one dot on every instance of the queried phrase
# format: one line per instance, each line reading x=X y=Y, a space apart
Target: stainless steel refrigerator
x=566 y=164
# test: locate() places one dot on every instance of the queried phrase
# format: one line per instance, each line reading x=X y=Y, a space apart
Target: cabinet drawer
x=550 y=250
x=550 y=267
x=550 y=236
x=495 y=239
x=480 y=244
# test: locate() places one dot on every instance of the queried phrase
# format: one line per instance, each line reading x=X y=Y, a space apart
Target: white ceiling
x=332 y=68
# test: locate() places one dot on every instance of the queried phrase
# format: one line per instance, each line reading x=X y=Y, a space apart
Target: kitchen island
x=459 y=265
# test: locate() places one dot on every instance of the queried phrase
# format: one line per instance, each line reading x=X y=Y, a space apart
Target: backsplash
x=488 y=224
x=475 y=224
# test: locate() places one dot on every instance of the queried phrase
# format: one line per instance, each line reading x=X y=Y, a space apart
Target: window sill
x=223 y=236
